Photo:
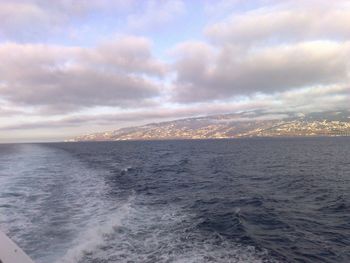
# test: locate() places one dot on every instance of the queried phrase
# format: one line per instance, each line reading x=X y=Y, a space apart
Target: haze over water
x=249 y=200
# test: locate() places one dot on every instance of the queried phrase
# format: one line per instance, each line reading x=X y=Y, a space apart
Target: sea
x=254 y=200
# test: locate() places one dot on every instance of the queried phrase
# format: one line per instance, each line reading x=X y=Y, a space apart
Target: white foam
x=137 y=233
x=95 y=235
x=126 y=169
x=47 y=198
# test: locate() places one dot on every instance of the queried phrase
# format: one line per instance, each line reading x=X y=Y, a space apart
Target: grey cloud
x=269 y=47
x=225 y=72
x=129 y=54
x=5 y=112
x=105 y=119
x=318 y=98
x=290 y=21
x=69 y=79
x=298 y=100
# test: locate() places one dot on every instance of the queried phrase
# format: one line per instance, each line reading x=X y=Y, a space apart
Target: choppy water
x=251 y=200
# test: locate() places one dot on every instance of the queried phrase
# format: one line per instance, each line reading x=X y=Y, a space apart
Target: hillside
x=236 y=125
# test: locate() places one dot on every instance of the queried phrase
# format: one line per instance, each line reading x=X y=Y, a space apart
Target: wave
x=138 y=233
x=95 y=235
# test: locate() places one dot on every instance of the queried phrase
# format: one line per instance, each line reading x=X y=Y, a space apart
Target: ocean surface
x=244 y=200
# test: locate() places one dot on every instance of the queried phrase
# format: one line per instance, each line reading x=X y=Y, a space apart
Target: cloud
x=207 y=73
x=315 y=99
x=262 y=54
x=6 y=112
x=267 y=47
x=119 y=73
x=298 y=100
x=30 y=19
x=293 y=21
x=19 y=15
x=128 y=54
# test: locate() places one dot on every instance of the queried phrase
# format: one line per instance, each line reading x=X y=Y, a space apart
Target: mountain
x=235 y=125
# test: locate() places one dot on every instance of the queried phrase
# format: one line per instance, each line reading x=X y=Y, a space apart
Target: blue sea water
x=246 y=200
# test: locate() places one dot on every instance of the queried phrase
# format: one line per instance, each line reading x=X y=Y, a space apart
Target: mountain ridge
x=234 y=125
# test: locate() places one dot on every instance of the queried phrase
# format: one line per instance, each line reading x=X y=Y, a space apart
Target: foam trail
x=137 y=233
x=95 y=235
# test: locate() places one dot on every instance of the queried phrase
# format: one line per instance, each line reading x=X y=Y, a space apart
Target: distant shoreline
x=211 y=139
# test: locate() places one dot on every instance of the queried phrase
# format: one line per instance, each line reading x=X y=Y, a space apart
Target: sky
x=71 y=67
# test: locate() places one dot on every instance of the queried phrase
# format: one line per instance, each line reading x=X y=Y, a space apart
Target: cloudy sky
x=76 y=66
